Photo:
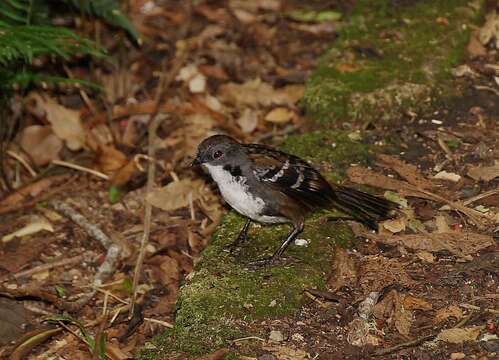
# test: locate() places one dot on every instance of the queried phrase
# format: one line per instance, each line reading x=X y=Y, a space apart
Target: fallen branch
x=404 y=345
x=44 y=267
x=107 y=268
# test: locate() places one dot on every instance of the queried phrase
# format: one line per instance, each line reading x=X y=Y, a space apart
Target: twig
x=83 y=94
x=487 y=88
x=23 y=162
x=404 y=345
x=80 y=168
x=45 y=267
x=160 y=322
x=315 y=299
x=249 y=338
x=107 y=268
x=167 y=79
x=480 y=196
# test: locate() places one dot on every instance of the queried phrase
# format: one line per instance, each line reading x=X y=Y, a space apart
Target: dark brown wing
x=290 y=175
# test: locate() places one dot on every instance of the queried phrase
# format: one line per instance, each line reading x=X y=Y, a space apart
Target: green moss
x=388 y=58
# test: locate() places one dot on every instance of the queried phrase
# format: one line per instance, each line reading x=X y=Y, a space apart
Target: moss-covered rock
x=390 y=57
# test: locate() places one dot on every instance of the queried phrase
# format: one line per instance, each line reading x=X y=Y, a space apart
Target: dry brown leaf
x=377 y=272
x=217 y=355
x=486 y=173
x=176 y=194
x=459 y=243
x=253 y=93
x=294 y=92
x=248 y=120
x=280 y=115
x=447 y=312
x=402 y=317
x=415 y=303
x=41 y=144
x=395 y=225
x=344 y=271
x=109 y=159
x=490 y=30
x=474 y=47
x=426 y=256
x=362 y=175
x=36 y=224
x=441 y=223
x=286 y=353
x=408 y=172
x=65 y=122
x=460 y=335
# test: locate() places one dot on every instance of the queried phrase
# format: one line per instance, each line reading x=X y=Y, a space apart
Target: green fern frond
x=23 y=12
x=23 y=43
x=110 y=11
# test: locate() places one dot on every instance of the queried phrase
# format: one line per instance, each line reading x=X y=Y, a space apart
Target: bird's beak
x=196 y=161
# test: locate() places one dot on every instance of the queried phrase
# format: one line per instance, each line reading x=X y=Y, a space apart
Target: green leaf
x=110 y=11
x=61 y=292
x=114 y=194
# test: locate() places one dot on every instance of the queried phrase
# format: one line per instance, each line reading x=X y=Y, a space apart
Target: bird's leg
x=242 y=237
x=297 y=229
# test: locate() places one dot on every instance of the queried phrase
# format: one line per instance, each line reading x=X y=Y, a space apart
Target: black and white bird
x=269 y=186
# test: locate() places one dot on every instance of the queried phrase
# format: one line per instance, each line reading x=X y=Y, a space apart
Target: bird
x=270 y=186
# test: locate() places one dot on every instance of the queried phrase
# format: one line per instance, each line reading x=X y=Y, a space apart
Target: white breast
x=235 y=191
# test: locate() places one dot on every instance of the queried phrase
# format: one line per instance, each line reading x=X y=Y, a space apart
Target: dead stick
x=107 y=268
x=153 y=126
x=404 y=345
x=45 y=267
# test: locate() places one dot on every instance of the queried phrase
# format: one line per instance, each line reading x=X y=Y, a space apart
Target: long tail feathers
x=363 y=207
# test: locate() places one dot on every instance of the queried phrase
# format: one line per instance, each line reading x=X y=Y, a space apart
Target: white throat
x=235 y=191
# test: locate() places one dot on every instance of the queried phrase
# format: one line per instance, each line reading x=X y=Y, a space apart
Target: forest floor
x=399 y=98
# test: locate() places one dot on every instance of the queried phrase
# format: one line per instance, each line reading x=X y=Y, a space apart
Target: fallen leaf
x=344 y=272
x=395 y=225
x=444 y=175
x=217 y=355
x=415 y=303
x=475 y=47
x=396 y=198
x=294 y=92
x=460 y=335
x=175 y=195
x=286 y=353
x=445 y=313
x=12 y=320
x=66 y=123
x=490 y=29
x=280 y=115
x=41 y=144
x=36 y=224
x=408 y=172
x=458 y=243
x=402 y=317
x=254 y=93
x=426 y=256
x=347 y=68
x=248 y=120
x=441 y=223
x=109 y=159
x=375 y=273
x=197 y=84
x=362 y=175
x=486 y=173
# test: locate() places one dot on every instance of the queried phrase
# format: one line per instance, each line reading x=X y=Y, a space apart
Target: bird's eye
x=217 y=154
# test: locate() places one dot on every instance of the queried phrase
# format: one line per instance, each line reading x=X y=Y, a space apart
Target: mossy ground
x=414 y=50
x=389 y=57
